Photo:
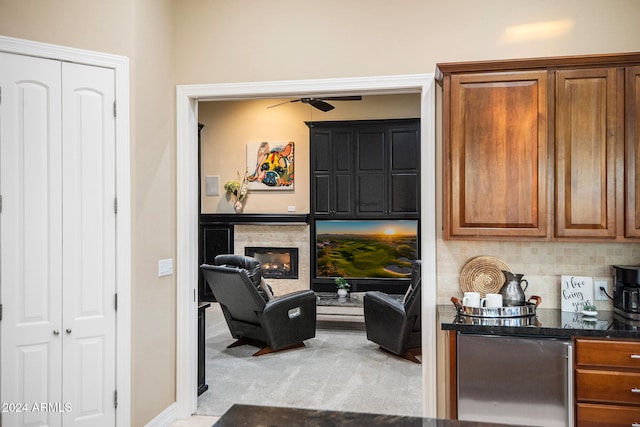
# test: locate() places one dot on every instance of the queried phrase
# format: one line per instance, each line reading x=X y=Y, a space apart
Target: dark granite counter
x=250 y=415
x=547 y=322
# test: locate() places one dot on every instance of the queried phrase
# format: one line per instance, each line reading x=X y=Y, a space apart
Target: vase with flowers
x=237 y=192
x=343 y=286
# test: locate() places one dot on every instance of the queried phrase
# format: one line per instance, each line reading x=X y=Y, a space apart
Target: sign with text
x=576 y=292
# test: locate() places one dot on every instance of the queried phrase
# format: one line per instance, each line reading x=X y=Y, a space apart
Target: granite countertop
x=546 y=322
x=251 y=415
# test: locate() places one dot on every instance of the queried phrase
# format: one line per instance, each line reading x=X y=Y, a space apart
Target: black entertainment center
x=365 y=203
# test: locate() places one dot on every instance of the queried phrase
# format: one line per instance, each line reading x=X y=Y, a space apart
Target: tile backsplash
x=542 y=264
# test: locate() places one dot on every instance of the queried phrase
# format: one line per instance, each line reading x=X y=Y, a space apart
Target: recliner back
x=234 y=290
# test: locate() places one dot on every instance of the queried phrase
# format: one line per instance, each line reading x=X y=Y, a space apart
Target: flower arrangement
x=238 y=191
x=341 y=283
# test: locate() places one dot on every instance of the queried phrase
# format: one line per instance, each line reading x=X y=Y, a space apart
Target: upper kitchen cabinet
x=543 y=148
x=632 y=158
x=495 y=154
x=589 y=115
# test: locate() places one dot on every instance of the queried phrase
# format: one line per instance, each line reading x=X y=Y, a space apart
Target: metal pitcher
x=512 y=292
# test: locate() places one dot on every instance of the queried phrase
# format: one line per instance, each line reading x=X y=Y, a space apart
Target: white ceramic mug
x=491 y=301
x=471 y=299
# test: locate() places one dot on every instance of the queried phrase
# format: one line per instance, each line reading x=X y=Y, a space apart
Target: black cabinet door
x=332 y=172
x=214 y=240
x=365 y=168
x=404 y=170
x=371 y=171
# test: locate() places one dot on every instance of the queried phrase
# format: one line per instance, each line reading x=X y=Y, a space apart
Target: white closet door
x=57 y=237
x=89 y=221
x=30 y=239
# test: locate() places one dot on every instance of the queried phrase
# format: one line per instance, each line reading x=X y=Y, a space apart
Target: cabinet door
x=495 y=146
x=371 y=172
x=404 y=173
x=586 y=136
x=632 y=157
x=215 y=240
x=332 y=171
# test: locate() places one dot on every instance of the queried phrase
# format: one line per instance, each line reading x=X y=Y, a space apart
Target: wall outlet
x=165 y=267
x=597 y=285
x=291 y=209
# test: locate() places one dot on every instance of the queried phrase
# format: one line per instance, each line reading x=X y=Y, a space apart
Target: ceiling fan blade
x=343 y=98
x=282 y=103
x=320 y=104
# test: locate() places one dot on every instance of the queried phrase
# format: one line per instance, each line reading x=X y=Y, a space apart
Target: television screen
x=382 y=249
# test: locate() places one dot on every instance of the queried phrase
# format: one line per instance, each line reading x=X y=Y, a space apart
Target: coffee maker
x=626 y=291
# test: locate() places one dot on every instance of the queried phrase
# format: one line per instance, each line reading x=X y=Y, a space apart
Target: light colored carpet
x=339 y=369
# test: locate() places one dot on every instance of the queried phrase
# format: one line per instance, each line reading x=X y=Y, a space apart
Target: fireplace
x=277 y=263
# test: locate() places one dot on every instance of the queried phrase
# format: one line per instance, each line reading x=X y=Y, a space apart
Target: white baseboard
x=164 y=418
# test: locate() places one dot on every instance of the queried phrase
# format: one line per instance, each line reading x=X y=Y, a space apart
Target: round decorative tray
x=483 y=274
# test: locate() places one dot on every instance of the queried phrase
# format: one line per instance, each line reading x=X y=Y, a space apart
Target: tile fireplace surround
x=278 y=235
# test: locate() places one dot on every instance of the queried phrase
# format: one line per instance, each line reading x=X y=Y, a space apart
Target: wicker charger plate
x=483 y=274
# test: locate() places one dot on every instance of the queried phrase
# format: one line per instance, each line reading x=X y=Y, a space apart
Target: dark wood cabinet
x=365 y=168
x=588 y=119
x=632 y=157
x=542 y=148
x=332 y=181
x=607 y=374
x=496 y=155
x=215 y=239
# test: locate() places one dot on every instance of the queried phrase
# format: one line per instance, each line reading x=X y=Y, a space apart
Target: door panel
x=30 y=236
x=89 y=244
x=586 y=138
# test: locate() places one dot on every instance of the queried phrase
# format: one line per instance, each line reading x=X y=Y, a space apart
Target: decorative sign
x=576 y=292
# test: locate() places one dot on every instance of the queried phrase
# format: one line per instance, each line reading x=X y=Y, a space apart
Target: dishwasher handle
x=570 y=391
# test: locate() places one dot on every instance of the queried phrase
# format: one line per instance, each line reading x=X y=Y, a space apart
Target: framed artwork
x=270 y=165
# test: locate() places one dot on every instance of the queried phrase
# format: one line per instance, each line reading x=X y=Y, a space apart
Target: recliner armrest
x=290 y=318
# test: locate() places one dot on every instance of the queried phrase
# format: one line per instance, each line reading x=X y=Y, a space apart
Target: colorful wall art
x=270 y=165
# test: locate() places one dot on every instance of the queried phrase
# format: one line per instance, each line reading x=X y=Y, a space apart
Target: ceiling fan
x=320 y=103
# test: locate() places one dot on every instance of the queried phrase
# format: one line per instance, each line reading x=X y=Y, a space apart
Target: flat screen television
x=371 y=254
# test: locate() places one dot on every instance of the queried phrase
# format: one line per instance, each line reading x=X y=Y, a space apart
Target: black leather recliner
x=254 y=317
x=394 y=324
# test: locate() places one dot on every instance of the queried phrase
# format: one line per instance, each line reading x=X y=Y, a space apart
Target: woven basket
x=483 y=274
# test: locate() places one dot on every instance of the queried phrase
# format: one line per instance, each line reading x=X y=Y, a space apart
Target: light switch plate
x=165 y=267
x=596 y=290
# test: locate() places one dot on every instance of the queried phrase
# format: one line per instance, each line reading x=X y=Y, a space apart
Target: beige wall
x=142 y=30
x=230 y=125
x=213 y=41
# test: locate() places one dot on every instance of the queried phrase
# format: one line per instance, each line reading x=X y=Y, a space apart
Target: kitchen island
x=587 y=368
x=252 y=415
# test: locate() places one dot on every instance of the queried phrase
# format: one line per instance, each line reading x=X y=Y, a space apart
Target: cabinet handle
x=635 y=390
x=56 y=332
x=635 y=356
x=68 y=331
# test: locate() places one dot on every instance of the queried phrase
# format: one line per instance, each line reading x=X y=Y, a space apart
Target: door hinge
x=0 y=311
x=0 y=203
x=115 y=205
x=115 y=399
x=115 y=109
x=115 y=302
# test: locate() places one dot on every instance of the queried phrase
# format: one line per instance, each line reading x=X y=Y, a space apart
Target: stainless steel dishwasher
x=515 y=380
